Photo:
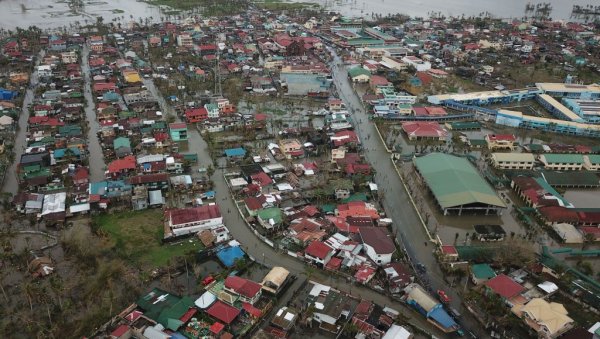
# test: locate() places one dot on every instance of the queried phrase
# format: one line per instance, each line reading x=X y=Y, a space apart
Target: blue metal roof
x=235 y=152
x=440 y=316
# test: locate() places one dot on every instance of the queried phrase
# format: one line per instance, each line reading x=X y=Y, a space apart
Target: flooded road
x=407 y=224
x=195 y=143
x=54 y=14
x=96 y=156
x=11 y=184
x=264 y=253
x=258 y=249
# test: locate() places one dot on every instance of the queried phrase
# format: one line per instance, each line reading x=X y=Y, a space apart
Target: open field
x=137 y=237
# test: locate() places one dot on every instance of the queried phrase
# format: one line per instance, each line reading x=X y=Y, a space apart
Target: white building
x=44 y=71
x=591 y=162
x=378 y=244
x=418 y=64
x=562 y=162
x=512 y=160
x=191 y=220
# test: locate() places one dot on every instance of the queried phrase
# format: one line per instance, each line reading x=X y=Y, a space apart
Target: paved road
x=196 y=143
x=397 y=205
x=96 y=156
x=11 y=184
x=263 y=253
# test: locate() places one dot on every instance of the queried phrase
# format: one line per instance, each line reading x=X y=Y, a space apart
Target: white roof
x=548 y=287
x=568 y=233
x=318 y=288
x=513 y=157
x=205 y=300
x=156 y=197
x=54 y=203
x=284 y=187
x=79 y=208
x=150 y=158
x=571 y=88
x=238 y=182
x=6 y=120
x=397 y=332
x=415 y=292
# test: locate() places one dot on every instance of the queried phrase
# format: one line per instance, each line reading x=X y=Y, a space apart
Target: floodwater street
x=264 y=253
x=11 y=182
x=96 y=157
x=396 y=202
x=195 y=143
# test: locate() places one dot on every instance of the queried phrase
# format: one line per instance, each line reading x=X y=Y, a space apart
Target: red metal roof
x=241 y=286
x=177 y=125
x=334 y=264
x=148 y=178
x=449 y=249
x=501 y=137
x=317 y=249
x=216 y=328
x=357 y=209
x=421 y=129
x=504 y=286
x=187 y=215
x=364 y=273
x=119 y=331
x=255 y=312
x=188 y=314
x=223 y=312
x=342 y=225
x=262 y=179
x=127 y=163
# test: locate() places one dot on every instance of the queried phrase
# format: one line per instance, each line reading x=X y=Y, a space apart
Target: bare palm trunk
x=4 y=293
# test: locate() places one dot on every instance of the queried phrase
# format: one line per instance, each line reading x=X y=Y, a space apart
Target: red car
x=443 y=297
x=208 y=280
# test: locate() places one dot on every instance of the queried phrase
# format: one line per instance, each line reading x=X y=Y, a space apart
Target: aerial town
x=277 y=170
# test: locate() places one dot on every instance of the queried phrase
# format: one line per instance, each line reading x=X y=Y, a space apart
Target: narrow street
x=11 y=182
x=96 y=156
x=397 y=204
x=263 y=253
x=196 y=143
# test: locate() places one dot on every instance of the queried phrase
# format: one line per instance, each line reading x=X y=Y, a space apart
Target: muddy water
x=11 y=184
x=96 y=157
x=51 y=14
x=503 y=9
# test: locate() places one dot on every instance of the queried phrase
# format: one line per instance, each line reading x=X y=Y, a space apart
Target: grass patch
x=117 y=11
x=280 y=5
x=209 y=7
x=137 y=235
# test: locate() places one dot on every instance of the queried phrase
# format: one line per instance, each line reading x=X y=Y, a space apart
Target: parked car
x=444 y=298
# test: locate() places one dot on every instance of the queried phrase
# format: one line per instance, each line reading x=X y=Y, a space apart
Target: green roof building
x=457 y=186
x=481 y=273
x=270 y=218
x=359 y=74
x=165 y=308
x=562 y=162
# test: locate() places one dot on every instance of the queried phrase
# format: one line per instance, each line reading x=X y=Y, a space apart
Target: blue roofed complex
x=235 y=152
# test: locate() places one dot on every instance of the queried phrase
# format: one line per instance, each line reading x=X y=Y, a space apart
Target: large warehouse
x=457 y=186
